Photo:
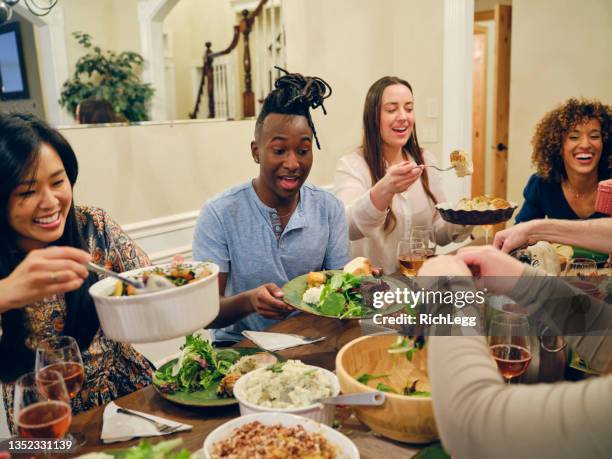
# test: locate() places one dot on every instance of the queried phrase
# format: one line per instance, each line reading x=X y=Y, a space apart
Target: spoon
x=155 y=282
x=364 y=398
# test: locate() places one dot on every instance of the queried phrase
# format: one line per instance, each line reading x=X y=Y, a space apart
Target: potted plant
x=111 y=76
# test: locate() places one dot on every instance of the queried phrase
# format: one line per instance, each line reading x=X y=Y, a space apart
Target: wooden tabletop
x=205 y=420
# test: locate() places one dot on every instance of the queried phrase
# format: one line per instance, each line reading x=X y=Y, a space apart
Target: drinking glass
x=61 y=354
x=411 y=254
x=42 y=407
x=426 y=234
x=584 y=268
x=509 y=344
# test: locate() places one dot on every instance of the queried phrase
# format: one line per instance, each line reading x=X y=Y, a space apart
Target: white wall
x=557 y=52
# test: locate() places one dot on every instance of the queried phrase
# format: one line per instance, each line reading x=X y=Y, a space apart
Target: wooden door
x=479 y=109
x=501 y=99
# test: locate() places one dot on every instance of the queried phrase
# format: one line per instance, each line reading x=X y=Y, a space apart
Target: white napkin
x=122 y=427
x=275 y=341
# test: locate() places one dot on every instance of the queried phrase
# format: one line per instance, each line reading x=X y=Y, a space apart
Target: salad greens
x=366 y=378
x=199 y=366
x=341 y=296
x=145 y=450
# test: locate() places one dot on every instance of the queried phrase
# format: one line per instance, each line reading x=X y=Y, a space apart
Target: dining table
x=205 y=419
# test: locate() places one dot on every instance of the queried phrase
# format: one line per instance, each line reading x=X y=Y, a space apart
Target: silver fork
x=161 y=428
x=436 y=167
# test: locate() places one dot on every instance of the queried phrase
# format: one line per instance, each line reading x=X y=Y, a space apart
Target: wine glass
x=61 y=354
x=411 y=254
x=584 y=268
x=426 y=234
x=42 y=406
x=509 y=344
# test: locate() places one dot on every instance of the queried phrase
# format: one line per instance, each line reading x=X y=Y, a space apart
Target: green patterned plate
x=206 y=397
x=295 y=288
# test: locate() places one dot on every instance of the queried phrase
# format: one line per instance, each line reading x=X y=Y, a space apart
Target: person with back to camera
x=572 y=151
x=275 y=227
x=96 y=111
x=46 y=240
x=383 y=185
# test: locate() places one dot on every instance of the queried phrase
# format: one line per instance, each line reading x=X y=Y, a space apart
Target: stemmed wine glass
x=509 y=344
x=411 y=254
x=584 y=268
x=426 y=234
x=42 y=406
x=61 y=354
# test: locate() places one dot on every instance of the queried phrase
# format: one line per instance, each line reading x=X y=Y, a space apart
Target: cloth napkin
x=122 y=427
x=276 y=341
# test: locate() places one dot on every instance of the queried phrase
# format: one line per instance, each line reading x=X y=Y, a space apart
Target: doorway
x=491 y=100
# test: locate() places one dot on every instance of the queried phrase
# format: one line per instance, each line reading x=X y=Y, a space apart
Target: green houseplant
x=110 y=76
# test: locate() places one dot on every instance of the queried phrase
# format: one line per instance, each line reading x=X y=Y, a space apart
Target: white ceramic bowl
x=344 y=446
x=317 y=411
x=157 y=316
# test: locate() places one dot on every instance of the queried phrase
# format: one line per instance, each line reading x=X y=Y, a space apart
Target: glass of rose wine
x=61 y=354
x=411 y=254
x=509 y=344
x=42 y=407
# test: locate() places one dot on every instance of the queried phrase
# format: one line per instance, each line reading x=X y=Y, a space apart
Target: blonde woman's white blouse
x=352 y=184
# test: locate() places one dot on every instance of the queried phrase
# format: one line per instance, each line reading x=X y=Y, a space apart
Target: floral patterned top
x=112 y=369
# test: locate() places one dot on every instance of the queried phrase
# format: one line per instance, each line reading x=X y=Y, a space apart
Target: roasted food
x=359 y=266
x=462 y=163
x=482 y=203
x=255 y=440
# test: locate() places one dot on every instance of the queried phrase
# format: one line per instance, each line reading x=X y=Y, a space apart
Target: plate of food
x=351 y=293
x=480 y=210
x=203 y=375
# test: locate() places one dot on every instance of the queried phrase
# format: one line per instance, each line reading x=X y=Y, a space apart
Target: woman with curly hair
x=572 y=151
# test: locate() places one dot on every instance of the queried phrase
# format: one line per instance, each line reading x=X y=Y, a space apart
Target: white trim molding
x=457 y=89
x=162 y=238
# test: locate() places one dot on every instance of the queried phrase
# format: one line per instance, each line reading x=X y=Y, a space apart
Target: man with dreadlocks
x=276 y=227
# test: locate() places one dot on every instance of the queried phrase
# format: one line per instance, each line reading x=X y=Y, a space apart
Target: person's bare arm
x=593 y=234
x=266 y=300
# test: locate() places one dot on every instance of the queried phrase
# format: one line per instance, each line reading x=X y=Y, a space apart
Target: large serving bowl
x=346 y=448
x=316 y=411
x=157 y=316
x=403 y=418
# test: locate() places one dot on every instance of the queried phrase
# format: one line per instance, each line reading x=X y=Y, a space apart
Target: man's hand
x=267 y=301
x=513 y=237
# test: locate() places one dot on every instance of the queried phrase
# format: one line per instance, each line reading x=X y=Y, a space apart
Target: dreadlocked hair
x=295 y=94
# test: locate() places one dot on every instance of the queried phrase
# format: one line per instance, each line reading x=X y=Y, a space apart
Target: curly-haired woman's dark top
x=545 y=198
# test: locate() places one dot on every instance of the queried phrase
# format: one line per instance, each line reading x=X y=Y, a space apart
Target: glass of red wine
x=61 y=354
x=509 y=344
x=42 y=407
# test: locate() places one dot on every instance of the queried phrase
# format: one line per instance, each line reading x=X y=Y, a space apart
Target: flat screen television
x=13 y=78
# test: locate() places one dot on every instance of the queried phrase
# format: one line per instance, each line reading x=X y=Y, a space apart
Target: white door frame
x=151 y=14
x=52 y=59
x=457 y=90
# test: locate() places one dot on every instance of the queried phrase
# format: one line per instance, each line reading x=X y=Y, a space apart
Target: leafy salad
x=200 y=366
x=342 y=294
x=145 y=450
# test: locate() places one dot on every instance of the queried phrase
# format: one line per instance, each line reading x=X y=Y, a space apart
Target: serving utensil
x=160 y=427
x=155 y=282
x=376 y=398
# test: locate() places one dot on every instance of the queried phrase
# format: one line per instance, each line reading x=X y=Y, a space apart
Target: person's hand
x=399 y=177
x=266 y=300
x=42 y=273
x=444 y=265
x=513 y=237
x=497 y=271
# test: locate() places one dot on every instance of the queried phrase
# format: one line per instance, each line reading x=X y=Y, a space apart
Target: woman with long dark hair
x=383 y=185
x=44 y=241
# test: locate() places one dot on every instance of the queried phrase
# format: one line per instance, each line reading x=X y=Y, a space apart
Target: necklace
x=577 y=195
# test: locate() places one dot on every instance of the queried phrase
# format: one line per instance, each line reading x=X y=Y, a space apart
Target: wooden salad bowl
x=403 y=418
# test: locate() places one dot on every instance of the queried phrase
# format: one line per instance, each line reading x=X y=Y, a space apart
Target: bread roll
x=359 y=266
x=314 y=279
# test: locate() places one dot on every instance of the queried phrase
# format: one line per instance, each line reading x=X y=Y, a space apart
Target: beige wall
x=351 y=46
x=151 y=171
x=486 y=5
x=113 y=24
x=557 y=53
x=191 y=23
